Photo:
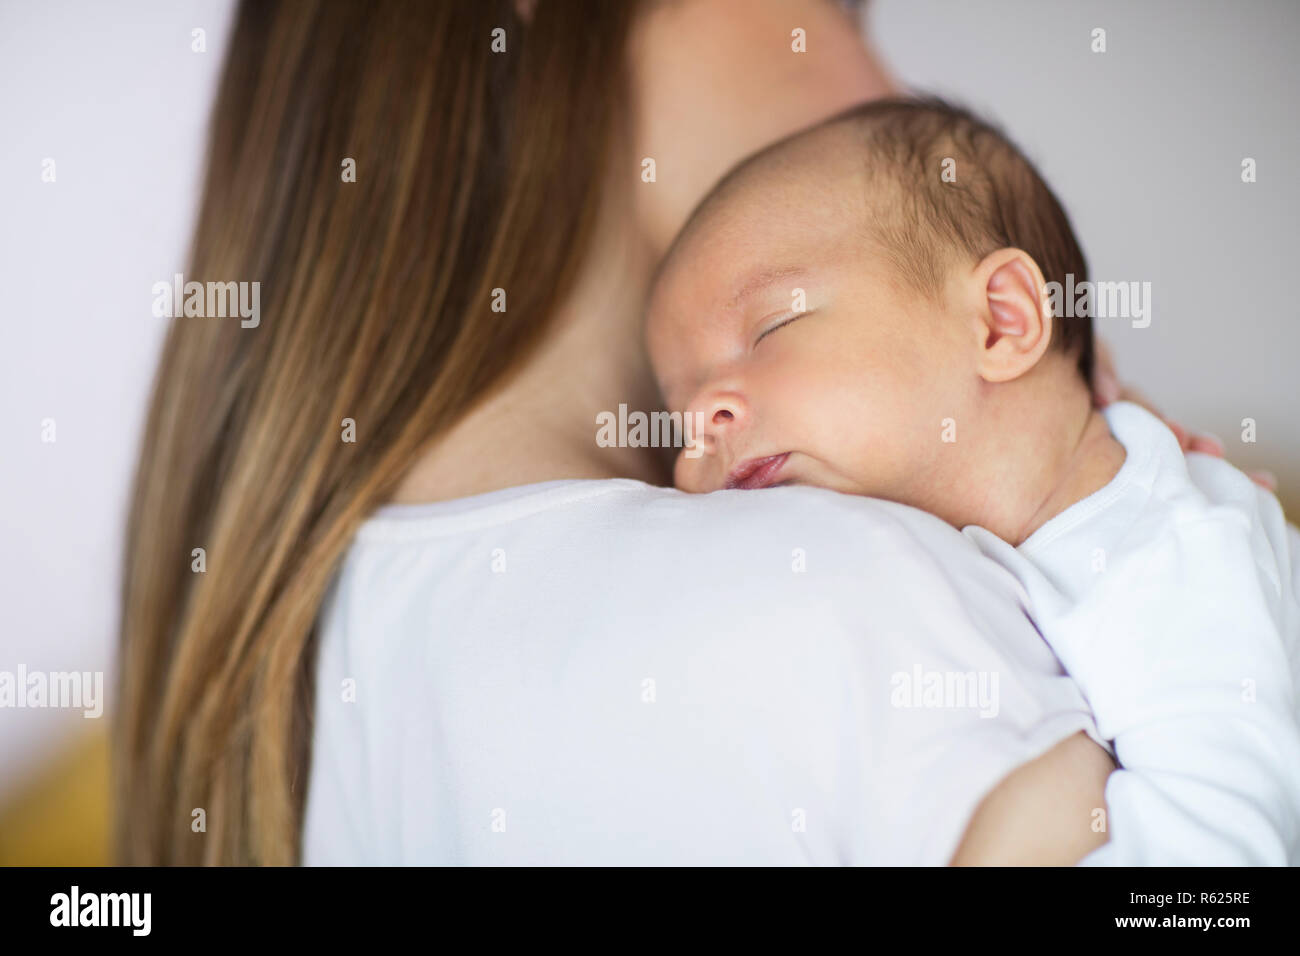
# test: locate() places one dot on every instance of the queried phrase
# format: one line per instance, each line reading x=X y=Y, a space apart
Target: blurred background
x=1143 y=143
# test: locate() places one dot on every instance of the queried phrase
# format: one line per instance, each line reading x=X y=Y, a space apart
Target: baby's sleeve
x=1186 y=672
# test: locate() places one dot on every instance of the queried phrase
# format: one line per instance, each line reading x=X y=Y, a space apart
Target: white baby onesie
x=1170 y=596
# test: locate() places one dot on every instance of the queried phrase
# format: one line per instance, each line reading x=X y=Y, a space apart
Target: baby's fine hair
x=944 y=184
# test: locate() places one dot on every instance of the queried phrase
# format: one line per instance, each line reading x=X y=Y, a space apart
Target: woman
x=451 y=213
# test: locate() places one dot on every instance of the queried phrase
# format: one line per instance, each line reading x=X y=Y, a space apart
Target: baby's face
x=779 y=322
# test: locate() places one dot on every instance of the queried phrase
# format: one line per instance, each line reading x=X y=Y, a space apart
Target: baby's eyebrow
x=757 y=281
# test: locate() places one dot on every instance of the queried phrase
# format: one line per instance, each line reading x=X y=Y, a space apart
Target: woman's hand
x=1106 y=389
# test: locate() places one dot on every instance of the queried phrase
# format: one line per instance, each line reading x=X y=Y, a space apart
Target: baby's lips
x=757 y=472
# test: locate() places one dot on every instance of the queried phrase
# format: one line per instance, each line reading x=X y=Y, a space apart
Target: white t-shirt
x=1170 y=596
x=606 y=672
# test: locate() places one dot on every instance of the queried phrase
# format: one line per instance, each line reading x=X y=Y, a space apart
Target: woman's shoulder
x=621 y=532
x=643 y=511
x=785 y=635
x=785 y=556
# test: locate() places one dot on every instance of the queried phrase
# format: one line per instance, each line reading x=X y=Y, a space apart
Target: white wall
x=115 y=96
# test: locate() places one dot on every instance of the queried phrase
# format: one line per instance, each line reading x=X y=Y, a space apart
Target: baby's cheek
x=854 y=439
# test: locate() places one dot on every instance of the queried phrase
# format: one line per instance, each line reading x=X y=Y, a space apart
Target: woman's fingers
x=1265 y=479
x=1105 y=383
x=1185 y=438
x=1106 y=389
x=1187 y=441
x=1209 y=444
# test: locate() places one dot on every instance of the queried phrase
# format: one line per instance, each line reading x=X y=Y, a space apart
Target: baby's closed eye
x=781 y=323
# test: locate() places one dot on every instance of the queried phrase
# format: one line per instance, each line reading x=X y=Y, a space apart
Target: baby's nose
x=722 y=410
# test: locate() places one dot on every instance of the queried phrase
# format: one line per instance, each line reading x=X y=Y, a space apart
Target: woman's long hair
x=474 y=170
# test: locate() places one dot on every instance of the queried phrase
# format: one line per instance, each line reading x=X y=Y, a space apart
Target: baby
x=865 y=307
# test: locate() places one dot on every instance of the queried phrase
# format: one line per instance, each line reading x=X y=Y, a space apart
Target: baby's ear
x=1014 y=323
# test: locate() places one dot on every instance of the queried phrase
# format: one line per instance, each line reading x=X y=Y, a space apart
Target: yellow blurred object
x=60 y=817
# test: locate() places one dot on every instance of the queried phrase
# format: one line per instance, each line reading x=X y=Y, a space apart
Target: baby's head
x=845 y=303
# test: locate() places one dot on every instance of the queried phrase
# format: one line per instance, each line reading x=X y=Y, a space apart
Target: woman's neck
x=540 y=425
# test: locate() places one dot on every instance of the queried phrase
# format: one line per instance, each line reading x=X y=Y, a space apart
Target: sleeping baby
x=868 y=307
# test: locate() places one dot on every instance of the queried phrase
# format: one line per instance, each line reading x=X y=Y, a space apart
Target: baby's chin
x=690 y=479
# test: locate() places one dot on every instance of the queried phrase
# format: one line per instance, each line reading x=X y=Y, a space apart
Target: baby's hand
x=1106 y=389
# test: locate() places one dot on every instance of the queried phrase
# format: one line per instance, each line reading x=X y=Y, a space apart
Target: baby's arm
x=1200 y=705
x=1211 y=755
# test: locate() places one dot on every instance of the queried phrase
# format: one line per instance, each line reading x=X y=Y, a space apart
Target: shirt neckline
x=491 y=507
x=1129 y=425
